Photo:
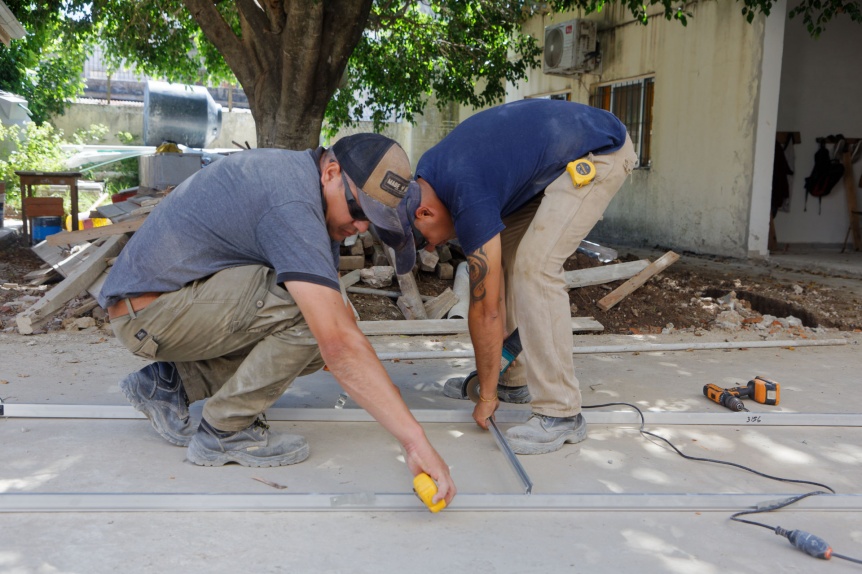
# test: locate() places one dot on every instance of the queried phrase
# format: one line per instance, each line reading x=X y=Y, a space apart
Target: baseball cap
x=381 y=171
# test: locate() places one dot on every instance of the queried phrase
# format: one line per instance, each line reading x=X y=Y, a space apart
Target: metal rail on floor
x=12 y=410
x=355 y=502
x=629 y=348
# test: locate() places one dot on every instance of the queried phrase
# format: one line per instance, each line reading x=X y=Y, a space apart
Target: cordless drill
x=725 y=397
x=760 y=390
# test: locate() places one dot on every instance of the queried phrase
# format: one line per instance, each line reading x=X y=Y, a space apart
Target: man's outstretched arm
x=355 y=365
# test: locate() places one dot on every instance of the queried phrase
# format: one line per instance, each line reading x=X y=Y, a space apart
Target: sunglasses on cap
x=352 y=205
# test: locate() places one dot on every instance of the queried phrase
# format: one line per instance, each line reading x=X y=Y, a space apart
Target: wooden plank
x=635 y=282
x=41 y=277
x=347 y=300
x=346 y=281
x=131 y=216
x=43 y=206
x=350 y=279
x=73 y=237
x=451 y=327
x=440 y=305
x=109 y=210
x=383 y=293
x=410 y=301
x=604 y=274
x=852 y=209
x=96 y=285
x=59 y=259
x=113 y=210
x=79 y=280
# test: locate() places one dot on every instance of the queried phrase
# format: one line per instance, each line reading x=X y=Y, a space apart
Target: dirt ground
x=684 y=297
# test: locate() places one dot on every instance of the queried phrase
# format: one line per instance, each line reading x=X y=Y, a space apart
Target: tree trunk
x=289 y=58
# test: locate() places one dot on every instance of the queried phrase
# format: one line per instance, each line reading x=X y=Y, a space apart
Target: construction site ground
x=632 y=503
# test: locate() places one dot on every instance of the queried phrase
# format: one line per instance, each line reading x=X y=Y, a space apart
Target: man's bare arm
x=487 y=323
x=355 y=365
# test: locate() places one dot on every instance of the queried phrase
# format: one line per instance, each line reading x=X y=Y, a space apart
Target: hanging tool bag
x=827 y=172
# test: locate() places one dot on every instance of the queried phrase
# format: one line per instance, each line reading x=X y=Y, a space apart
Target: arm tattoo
x=477 y=263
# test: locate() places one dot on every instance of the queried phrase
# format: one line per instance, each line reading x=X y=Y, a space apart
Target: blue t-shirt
x=255 y=207
x=496 y=161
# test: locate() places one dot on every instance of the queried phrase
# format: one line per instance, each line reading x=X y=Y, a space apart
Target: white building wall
x=821 y=95
x=767 y=114
x=697 y=195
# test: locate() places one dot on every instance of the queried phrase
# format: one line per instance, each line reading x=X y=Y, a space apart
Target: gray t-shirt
x=261 y=206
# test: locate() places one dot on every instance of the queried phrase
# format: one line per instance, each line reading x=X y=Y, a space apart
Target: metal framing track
x=355 y=502
x=629 y=348
x=12 y=410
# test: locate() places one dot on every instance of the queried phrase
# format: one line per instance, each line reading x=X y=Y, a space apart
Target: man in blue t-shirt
x=499 y=182
x=231 y=285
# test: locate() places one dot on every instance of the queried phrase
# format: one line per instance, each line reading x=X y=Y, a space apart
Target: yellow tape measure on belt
x=582 y=171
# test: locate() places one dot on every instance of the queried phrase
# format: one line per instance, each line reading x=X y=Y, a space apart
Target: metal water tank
x=186 y=115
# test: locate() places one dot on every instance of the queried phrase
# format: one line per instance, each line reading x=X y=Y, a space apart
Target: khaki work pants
x=537 y=241
x=237 y=339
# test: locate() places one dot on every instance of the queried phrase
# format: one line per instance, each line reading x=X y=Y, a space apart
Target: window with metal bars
x=632 y=103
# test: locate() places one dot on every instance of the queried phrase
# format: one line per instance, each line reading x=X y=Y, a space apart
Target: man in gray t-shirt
x=231 y=286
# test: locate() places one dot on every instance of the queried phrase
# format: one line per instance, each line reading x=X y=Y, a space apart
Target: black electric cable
x=804 y=545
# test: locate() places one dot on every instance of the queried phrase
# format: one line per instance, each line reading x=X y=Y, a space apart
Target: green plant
x=126 y=138
x=118 y=175
x=40 y=148
x=91 y=135
x=31 y=148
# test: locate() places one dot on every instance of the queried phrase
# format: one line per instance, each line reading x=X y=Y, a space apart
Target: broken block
x=445 y=271
x=378 y=258
x=349 y=262
x=428 y=260
x=378 y=276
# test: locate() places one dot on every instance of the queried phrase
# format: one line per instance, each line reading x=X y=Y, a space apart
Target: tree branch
x=270 y=19
x=218 y=32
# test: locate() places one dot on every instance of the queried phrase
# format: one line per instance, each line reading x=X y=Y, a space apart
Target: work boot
x=254 y=446
x=455 y=388
x=543 y=434
x=157 y=391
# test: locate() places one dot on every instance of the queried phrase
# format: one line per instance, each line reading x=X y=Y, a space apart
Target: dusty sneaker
x=542 y=434
x=456 y=388
x=253 y=446
x=157 y=391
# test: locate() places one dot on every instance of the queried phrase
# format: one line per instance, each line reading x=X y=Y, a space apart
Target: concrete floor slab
x=126 y=456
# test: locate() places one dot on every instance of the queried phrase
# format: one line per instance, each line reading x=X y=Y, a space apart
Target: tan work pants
x=537 y=241
x=237 y=339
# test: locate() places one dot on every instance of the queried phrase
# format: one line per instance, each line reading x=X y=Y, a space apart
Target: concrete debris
x=428 y=260
x=378 y=276
x=445 y=271
x=733 y=314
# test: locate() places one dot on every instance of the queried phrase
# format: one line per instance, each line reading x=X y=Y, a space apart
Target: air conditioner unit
x=570 y=48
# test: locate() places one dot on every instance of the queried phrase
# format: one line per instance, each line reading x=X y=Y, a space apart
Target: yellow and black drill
x=760 y=390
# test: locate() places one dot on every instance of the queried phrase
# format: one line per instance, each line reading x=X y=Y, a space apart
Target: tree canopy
x=45 y=66
x=303 y=62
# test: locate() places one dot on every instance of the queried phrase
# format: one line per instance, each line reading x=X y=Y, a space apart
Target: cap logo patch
x=394 y=184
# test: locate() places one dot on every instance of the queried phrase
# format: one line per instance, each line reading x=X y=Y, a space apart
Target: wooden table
x=31 y=178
